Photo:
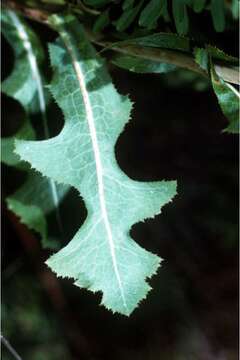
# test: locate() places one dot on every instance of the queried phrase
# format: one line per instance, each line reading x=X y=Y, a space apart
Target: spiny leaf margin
x=81 y=87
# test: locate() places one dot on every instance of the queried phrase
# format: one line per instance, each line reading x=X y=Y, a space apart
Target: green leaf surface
x=38 y=196
x=180 y=16
x=8 y=156
x=138 y=65
x=199 y=5
x=165 y=12
x=202 y=58
x=151 y=13
x=235 y=9
x=32 y=202
x=228 y=98
x=101 y=256
x=218 y=14
x=102 y=21
x=97 y=3
x=221 y=55
x=128 y=16
x=127 y=4
x=159 y=40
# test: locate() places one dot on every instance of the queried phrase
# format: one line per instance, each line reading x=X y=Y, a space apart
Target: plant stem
x=7 y=344
x=226 y=72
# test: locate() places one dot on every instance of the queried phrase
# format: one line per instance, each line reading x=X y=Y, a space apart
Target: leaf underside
x=102 y=256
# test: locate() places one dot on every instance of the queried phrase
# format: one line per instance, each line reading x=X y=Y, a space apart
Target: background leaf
x=37 y=197
x=198 y=5
x=97 y=3
x=138 y=65
x=151 y=13
x=21 y=84
x=235 y=9
x=128 y=16
x=218 y=14
x=159 y=40
x=102 y=21
x=228 y=98
x=227 y=95
x=180 y=16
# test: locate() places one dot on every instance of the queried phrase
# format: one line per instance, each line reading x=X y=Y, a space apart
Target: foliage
x=228 y=96
x=147 y=14
x=37 y=196
x=102 y=256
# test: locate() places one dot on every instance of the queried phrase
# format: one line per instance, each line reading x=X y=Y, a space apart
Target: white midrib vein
x=232 y=88
x=36 y=75
x=97 y=158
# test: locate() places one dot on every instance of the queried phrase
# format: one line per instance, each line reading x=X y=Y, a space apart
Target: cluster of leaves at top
x=101 y=256
x=147 y=13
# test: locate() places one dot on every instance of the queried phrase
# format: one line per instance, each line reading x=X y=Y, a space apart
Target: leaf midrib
x=97 y=158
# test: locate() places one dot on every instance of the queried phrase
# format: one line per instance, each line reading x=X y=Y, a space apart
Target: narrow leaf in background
x=139 y=65
x=218 y=14
x=180 y=16
x=128 y=17
x=151 y=13
x=198 y=5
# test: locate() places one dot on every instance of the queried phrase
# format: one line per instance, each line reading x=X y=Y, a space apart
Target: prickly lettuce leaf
x=102 y=256
x=37 y=197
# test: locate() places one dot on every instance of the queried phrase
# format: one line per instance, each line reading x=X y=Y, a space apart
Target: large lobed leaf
x=101 y=256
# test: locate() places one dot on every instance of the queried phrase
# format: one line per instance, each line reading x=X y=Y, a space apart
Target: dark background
x=192 y=311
